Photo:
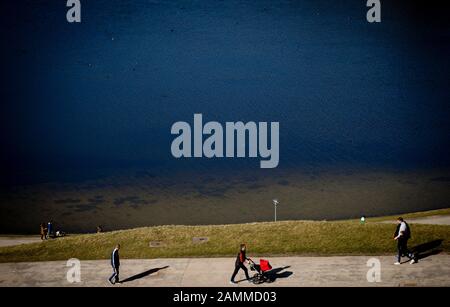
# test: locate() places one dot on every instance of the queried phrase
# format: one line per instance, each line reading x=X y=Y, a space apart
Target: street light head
x=275 y=202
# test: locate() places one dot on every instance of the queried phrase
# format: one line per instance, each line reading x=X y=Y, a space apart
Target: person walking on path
x=43 y=231
x=115 y=263
x=402 y=235
x=240 y=264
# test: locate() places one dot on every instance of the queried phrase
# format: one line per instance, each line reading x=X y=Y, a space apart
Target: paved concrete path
x=435 y=220
x=18 y=240
x=289 y=271
x=431 y=220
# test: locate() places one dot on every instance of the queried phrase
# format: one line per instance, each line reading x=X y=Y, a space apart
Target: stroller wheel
x=257 y=279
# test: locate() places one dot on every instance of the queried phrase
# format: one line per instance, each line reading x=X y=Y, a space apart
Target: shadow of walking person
x=143 y=274
x=427 y=249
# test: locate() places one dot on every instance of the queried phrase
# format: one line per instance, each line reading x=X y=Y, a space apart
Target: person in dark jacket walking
x=402 y=235
x=240 y=264
x=115 y=263
x=49 y=229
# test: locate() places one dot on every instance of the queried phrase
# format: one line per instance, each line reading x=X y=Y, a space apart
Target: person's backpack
x=407 y=233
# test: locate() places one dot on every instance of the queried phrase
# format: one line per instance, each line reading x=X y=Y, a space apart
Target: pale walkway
x=289 y=271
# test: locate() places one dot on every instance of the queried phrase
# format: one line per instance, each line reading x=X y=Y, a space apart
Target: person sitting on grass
x=240 y=264
x=402 y=235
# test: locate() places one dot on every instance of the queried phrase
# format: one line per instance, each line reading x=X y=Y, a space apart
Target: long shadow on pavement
x=276 y=273
x=427 y=249
x=143 y=274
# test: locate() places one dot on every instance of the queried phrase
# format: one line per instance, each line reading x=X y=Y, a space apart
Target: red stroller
x=261 y=270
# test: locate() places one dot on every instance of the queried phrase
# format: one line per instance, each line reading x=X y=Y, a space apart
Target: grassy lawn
x=268 y=239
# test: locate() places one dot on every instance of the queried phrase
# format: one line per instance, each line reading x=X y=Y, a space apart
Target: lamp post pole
x=275 y=204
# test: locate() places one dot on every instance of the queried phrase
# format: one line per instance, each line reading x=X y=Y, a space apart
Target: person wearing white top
x=402 y=235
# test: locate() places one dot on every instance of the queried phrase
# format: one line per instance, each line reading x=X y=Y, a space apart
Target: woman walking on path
x=240 y=264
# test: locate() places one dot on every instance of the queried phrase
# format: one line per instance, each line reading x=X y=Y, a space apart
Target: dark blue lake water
x=90 y=99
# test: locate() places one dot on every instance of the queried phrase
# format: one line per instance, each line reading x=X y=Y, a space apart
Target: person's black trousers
x=402 y=247
x=236 y=270
x=115 y=275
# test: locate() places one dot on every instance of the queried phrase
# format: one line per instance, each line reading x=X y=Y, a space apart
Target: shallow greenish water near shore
x=140 y=199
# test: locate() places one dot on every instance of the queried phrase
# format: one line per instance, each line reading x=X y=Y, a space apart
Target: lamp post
x=275 y=204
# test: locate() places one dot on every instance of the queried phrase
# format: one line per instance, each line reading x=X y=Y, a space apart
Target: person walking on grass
x=402 y=235
x=115 y=263
x=43 y=231
x=240 y=264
